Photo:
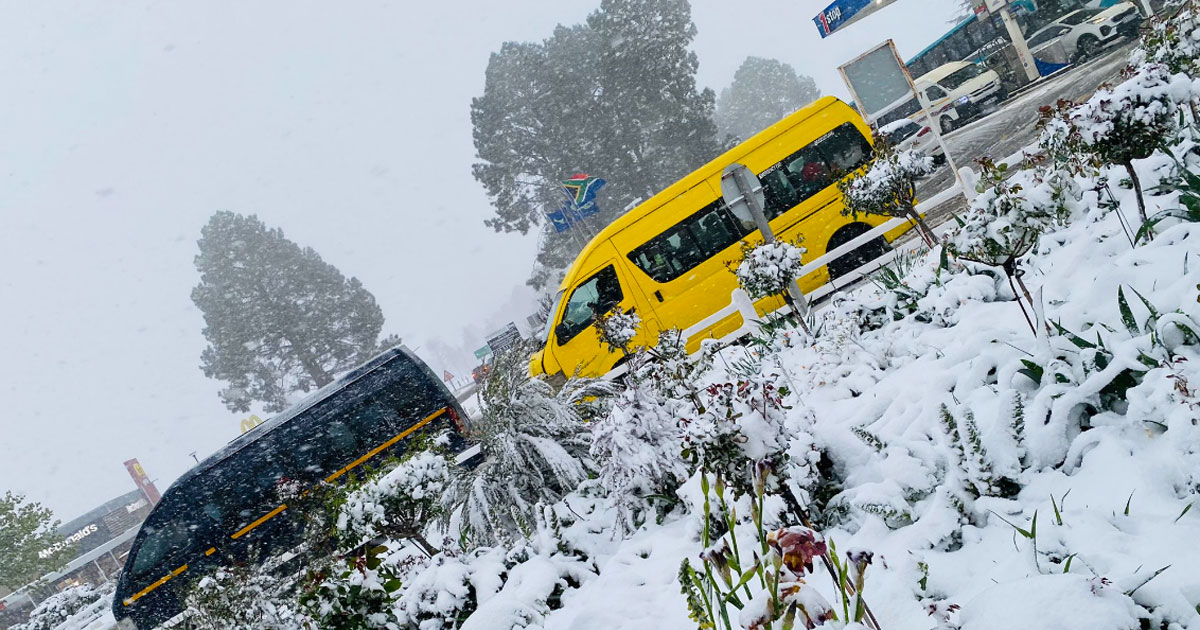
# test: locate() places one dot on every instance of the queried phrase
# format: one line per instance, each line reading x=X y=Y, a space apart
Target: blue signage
x=839 y=14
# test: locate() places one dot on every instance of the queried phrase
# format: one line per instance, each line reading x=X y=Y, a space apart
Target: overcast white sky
x=125 y=125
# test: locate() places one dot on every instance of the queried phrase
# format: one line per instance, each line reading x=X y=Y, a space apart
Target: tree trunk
x=1009 y=267
x=314 y=369
x=1137 y=188
x=420 y=541
x=922 y=228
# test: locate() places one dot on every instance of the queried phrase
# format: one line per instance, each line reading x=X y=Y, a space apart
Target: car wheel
x=946 y=124
x=1088 y=46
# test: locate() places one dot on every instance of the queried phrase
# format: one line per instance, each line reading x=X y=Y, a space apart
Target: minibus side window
x=845 y=149
x=596 y=296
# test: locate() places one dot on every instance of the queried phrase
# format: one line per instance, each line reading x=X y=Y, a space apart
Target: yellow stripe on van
x=211 y=550
x=162 y=580
x=386 y=444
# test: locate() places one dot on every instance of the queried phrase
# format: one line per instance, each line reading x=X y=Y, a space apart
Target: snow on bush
x=354 y=593
x=1123 y=123
x=768 y=269
x=636 y=448
x=63 y=606
x=1173 y=41
x=888 y=187
x=399 y=504
x=616 y=330
x=243 y=597
x=742 y=422
x=1004 y=222
x=536 y=442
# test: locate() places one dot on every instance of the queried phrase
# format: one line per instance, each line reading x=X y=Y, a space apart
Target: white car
x=957 y=92
x=1085 y=32
x=904 y=134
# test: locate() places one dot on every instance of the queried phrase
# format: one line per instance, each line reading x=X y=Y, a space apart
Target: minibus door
x=575 y=339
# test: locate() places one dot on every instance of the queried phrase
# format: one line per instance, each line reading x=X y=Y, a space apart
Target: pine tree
x=615 y=97
x=763 y=92
x=278 y=319
x=27 y=532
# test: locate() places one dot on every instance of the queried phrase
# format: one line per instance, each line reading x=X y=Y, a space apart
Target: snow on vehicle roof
x=897 y=124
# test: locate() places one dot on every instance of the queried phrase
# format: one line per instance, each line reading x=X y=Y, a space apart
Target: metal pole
x=750 y=195
x=1018 y=40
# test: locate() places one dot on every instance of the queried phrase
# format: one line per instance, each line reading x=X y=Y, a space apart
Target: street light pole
x=1018 y=41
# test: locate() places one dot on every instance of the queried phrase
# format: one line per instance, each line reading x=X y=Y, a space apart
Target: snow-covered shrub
x=672 y=372
x=636 y=449
x=62 y=606
x=768 y=269
x=398 y=504
x=1172 y=40
x=1003 y=223
x=356 y=593
x=493 y=587
x=1125 y=122
x=616 y=330
x=442 y=594
x=536 y=444
x=742 y=423
x=244 y=597
x=888 y=187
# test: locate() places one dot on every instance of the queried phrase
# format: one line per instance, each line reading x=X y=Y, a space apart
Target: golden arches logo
x=250 y=423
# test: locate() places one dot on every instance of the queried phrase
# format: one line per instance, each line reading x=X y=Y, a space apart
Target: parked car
x=905 y=134
x=1086 y=32
x=957 y=92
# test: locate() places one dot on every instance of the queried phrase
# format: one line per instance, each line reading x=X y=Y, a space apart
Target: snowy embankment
x=1002 y=432
x=1111 y=489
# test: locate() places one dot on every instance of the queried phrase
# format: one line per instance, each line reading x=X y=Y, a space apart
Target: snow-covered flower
x=797 y=546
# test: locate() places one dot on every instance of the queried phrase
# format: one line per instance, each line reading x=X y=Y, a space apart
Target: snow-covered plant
x=1002 y=224
x=536 y=442
x=759 y=583
x=1128 y=121
x=398 y=504
x=244 y=597
x=55 y=610
x=616 y=329
x=440 y=596
x=1172 y=40
x=636 y=449
x=357 y=593
x=768 y=269
x=742 y=423
x=888 y=187
x=672 y=371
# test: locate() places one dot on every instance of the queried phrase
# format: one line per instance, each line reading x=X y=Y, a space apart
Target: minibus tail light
x=457 y=420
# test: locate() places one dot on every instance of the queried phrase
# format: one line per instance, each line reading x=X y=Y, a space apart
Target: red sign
x=447 y=376
x=143 y=481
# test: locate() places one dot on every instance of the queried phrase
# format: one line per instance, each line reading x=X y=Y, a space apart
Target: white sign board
x=878 y=81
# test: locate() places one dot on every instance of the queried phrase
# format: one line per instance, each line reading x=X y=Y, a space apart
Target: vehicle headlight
x=963 y=100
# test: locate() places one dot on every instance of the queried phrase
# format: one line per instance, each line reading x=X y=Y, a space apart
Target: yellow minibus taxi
x=667 y=259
